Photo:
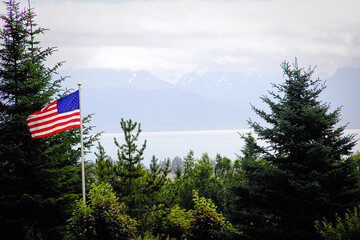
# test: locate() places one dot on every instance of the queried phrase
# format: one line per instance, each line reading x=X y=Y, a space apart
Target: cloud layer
x=170 y=38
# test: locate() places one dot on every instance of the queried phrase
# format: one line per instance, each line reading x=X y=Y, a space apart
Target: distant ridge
x=207 y=101
x=108 y=78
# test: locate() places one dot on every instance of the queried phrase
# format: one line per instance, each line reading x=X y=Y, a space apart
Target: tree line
x=303 y=183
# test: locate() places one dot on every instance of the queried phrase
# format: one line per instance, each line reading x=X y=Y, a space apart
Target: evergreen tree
x=154 y=198
x=189 y=162
x=177 y=165
x=104 y=167
x=251 y=150
x=129 y=168
x=222 y=167
x=178 y=172
x=199 y=176
x=141 y=190
x=155 y=179
x=219 y=168
x=302 y=176
x=207 y=184
x=38 y=177
x=185 y=183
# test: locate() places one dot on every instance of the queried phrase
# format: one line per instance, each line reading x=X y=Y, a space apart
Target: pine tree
x=104 y=167
x=38 y=178
x=302 y=176
x=129 y=167
x=142 y=191
x=126 y=175
x=189 y=162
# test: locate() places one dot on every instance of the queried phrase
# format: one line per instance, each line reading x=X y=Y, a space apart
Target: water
x=178 y=143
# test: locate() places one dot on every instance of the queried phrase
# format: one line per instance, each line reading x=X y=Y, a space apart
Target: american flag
x=60 y=115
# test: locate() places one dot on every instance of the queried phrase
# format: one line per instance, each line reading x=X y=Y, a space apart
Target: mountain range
x=197 y=101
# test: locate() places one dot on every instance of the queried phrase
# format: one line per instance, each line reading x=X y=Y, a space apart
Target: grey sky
x=171 y=37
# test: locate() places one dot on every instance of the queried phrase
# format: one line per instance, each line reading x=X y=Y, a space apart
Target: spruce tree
x=302 y=175
x=39 y=178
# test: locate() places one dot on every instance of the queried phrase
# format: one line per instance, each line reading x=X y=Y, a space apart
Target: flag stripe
x=45 y=111
x=53 y=119
x=58 y=116
x=58 y=119
x=44 y=117
x=56 y=126
x=56 y=130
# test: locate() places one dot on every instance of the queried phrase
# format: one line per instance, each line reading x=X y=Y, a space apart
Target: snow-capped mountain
x=108 y=78
x=227 y=86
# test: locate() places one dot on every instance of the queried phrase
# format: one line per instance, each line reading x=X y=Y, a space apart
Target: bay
x=178 y=143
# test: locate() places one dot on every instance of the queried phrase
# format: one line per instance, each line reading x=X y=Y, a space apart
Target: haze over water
x=178 y=143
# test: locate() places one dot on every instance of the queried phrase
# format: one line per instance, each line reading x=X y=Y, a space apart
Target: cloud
x=164 y=36
x=232 y=60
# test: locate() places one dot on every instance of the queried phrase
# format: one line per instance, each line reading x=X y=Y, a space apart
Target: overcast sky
x=171 y=37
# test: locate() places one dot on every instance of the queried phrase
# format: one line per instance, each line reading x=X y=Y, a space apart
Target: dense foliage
x=39 y=179
x=207 y=223
x=301 y=176
x=339 y=228
x=102 y=217
x=346 y=228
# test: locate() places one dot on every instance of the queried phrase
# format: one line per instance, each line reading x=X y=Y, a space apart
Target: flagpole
x=82 y=149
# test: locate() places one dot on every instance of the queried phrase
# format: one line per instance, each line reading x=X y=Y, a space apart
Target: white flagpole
x=82 y=149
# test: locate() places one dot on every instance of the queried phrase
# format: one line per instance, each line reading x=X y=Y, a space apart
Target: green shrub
x=149 y=236
x=207 y=223
x=201 y=222
x=178 y=223
x=343 y=229
x=102 y=217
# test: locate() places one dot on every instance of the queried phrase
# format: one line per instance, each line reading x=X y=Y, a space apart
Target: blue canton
x=68 y=103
